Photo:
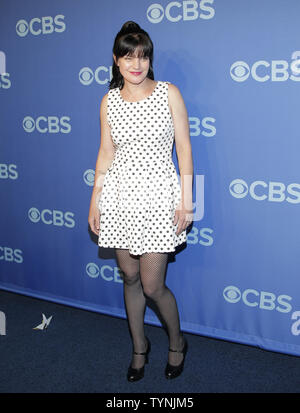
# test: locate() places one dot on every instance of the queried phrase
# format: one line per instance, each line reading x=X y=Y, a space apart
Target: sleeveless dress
x=141 y=188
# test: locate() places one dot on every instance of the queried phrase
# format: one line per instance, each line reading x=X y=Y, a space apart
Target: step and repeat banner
x=236 y=64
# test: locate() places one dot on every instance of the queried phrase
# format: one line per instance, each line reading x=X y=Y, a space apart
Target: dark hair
x=128 y=39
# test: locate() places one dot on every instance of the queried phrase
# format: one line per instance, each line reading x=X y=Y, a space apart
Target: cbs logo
x=51 y=124
x=262 y=71
x=43 y=25
x=260 y=190
x=106 y=272
x=54 y=217
x=261 y=299
x=87 y=75
x=175 y=11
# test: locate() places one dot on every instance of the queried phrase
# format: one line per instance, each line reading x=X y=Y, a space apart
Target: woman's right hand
x=94 y=219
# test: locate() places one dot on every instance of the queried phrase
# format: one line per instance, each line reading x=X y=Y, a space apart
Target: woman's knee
x=131 y=277
x=153 y=290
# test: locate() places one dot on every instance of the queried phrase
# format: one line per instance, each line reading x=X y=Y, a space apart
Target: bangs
x=135 y=44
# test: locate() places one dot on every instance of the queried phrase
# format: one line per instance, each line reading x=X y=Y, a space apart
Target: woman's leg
x=152 y=271
x=135 y=303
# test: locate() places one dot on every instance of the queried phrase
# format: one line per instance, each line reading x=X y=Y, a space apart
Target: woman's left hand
x=184 y=218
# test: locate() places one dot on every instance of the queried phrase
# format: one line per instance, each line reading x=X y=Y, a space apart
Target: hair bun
x=130 y=27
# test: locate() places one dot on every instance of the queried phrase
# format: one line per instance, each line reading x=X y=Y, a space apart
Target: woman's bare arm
x=183 y=150
x=106 y=151
x=105 y=157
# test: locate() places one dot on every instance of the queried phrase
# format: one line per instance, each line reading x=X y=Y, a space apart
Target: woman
x=137 y=205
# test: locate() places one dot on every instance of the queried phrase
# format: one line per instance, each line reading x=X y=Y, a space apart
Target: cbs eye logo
x=92 y=270
x=86 y=76
x=238 y=188
x=89 y=177
x=240 y=71
x=232 y=294
x=155 y=13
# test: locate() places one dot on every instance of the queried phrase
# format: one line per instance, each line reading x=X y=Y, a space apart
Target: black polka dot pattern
x=141 y=188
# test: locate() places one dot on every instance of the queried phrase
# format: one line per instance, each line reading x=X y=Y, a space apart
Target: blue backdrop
x=236 y=66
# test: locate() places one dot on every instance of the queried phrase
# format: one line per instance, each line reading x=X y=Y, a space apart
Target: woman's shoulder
x=171 y=86
x=172 y=89
x=165 y=82
x=111 y=93
x=107 y=96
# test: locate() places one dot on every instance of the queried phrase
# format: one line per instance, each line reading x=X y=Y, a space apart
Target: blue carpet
x=87 y=352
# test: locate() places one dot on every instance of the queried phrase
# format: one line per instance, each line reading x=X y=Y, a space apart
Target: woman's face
x=133 y=68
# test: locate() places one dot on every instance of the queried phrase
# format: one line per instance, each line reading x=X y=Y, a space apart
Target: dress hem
x=143 y=252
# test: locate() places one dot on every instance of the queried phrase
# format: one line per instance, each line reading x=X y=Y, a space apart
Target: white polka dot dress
x=141 y=188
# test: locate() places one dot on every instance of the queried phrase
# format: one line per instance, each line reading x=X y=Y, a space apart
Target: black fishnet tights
x=145 y=275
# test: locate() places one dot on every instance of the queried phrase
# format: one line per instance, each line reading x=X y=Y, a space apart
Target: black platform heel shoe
x=174 y=371
x=137 y=374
